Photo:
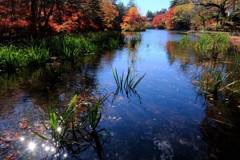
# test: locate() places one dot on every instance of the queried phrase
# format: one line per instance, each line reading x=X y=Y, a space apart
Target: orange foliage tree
x=133 y=21
x=109 y=13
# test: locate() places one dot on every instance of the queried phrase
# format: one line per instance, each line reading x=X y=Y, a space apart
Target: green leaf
x=40 y=135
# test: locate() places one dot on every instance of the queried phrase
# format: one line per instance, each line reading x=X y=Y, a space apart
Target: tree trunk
x=34 y=14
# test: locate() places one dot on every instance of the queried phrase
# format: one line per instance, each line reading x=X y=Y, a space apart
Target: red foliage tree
x=159 y=20
x=169 y=18
x=45 y=16
x=12 y=16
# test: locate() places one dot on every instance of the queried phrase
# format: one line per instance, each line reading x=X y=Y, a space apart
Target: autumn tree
x=225 y=10
x=47 y=16
x=109 y=13
x=178 y=2
x=12 y=19
x=122 y=10
x=132 y=21
x=159 y=21
x=169 y=21
x=182 y=16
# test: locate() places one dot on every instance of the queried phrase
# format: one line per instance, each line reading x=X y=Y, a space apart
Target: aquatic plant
x=213 y=43
x=184 y=41
x=11 y=58
x=36 y=54
x=76 y=130
x=38 y=51
x=126 y=83
x=212 y=81
x=132 y=42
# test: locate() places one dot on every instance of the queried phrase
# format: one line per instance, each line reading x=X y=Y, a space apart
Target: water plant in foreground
x=74 y=130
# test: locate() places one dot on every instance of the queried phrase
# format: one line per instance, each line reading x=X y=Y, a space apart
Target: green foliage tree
x=131 y=3
x=149 y=14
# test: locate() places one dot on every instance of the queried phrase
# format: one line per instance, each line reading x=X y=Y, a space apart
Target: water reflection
x=175 y=120
x=220 y=127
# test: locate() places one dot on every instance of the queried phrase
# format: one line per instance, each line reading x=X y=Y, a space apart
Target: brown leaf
x=23 y=124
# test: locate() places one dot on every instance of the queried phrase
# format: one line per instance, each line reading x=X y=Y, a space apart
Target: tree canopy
x=201 y=15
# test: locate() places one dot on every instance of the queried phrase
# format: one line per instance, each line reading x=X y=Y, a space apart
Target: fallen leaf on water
x=23 y=124
x=3 y=145
x=6 y=136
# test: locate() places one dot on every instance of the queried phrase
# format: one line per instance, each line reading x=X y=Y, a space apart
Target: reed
x=212 y=81
x=38 y=51
x=36 y=55
x=11 y=58
x=126 y=83
x=213 y=43
x=70 y=126
x=134 y=41
x=185 y=40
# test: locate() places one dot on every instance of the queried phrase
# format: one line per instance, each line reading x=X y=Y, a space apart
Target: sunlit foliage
x=201 y=15
x=133 y=21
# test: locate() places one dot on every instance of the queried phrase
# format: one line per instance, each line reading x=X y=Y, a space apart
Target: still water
x=169 y=119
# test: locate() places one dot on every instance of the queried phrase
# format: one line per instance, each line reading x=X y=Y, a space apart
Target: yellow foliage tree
x=183 y=15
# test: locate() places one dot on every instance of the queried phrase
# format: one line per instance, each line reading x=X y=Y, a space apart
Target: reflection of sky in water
x=166 y=123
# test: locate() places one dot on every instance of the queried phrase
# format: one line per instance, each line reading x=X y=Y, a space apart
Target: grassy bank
x=37 y=52
x=234 y=39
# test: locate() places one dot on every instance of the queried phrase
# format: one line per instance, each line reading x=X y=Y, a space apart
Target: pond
x=169 y=118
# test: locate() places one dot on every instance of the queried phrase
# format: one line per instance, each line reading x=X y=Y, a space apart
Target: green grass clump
x=76 y=46
x=67 y=47
x=133 y=42
x=36 y=55
x=213 y=43
x=185 y=40
x=11 y=57
x=212 y=81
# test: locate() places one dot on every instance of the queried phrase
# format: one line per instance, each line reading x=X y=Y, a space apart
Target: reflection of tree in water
x=133 y=39
x=220 y=127
x=176 y=53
